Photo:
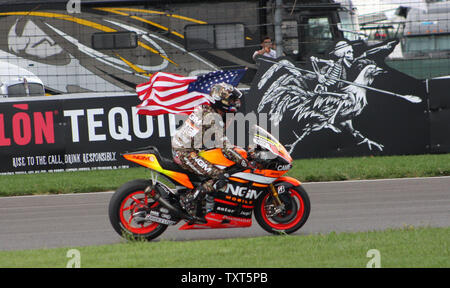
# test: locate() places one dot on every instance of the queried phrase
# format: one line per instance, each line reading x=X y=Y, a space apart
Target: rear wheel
x=128 y=207
x=293 y=217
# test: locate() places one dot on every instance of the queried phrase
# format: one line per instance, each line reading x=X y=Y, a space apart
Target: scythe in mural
x=327 y=94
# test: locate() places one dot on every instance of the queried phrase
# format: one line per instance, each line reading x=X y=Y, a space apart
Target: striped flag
x=176 y=94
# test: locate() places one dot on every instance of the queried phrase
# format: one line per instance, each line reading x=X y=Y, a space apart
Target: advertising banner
x=79 y=133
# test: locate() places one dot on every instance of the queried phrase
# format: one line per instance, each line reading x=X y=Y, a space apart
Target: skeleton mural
x=328 y=94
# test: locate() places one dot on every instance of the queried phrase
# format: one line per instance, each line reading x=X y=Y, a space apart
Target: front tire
x=296 y=214
x=128 y=200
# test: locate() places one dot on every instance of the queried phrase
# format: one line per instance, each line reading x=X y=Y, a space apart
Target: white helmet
x=225 y=97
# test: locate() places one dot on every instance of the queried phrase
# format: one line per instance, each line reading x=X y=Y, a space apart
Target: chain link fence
x=48 y=49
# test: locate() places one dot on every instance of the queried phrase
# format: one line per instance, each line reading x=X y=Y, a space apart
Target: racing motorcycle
x=145 y=208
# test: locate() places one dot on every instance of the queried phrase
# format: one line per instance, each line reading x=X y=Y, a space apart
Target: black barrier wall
x=349 y=103
x=362 y=108
x=439 y=114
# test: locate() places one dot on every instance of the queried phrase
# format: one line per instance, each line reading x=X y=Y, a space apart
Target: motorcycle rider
x=191 y=138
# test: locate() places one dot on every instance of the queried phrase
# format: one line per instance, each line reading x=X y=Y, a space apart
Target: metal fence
x=51 y=44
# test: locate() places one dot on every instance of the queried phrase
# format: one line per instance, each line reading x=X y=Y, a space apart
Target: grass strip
x=379 y=167
x=306 y=170
x=407 y=247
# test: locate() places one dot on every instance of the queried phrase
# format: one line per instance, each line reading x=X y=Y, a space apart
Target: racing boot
x=191 y=200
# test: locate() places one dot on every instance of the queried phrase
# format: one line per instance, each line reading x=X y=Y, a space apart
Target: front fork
x=278 y=205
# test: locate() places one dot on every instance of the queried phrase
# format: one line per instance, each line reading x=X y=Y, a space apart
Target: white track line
x=376 y=180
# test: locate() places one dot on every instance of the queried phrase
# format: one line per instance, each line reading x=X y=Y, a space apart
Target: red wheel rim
x=293 y=222
x=131 y=204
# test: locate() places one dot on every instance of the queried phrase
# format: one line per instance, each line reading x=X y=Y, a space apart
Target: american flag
x=176 y=94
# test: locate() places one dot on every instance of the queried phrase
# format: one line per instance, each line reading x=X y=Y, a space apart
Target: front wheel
x=126 y=203
x=296 y=211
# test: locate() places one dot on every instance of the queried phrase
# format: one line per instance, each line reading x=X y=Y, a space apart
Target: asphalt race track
x=32 y=222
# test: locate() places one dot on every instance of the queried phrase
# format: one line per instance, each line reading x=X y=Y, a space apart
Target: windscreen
x=265 y=140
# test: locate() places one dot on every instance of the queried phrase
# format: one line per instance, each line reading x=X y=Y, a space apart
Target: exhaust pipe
x=157 y=196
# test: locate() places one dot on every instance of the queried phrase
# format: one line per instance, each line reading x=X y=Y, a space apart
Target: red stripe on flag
x=176 y=105
x=167 y=93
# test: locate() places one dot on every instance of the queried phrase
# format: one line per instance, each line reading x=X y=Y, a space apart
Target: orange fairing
x=241 y=151
x=150 y=161
x=291 y=180
x=270 y=173
x=216 y=157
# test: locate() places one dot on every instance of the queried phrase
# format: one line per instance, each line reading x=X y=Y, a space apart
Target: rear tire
x=127 y=200
x=297 y=205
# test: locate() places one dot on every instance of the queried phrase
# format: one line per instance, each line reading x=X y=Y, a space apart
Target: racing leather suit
x=195 y=135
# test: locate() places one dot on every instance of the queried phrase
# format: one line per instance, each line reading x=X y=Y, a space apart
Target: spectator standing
x=267 y=49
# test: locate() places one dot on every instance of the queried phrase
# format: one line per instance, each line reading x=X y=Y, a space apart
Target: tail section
x=150 y=161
